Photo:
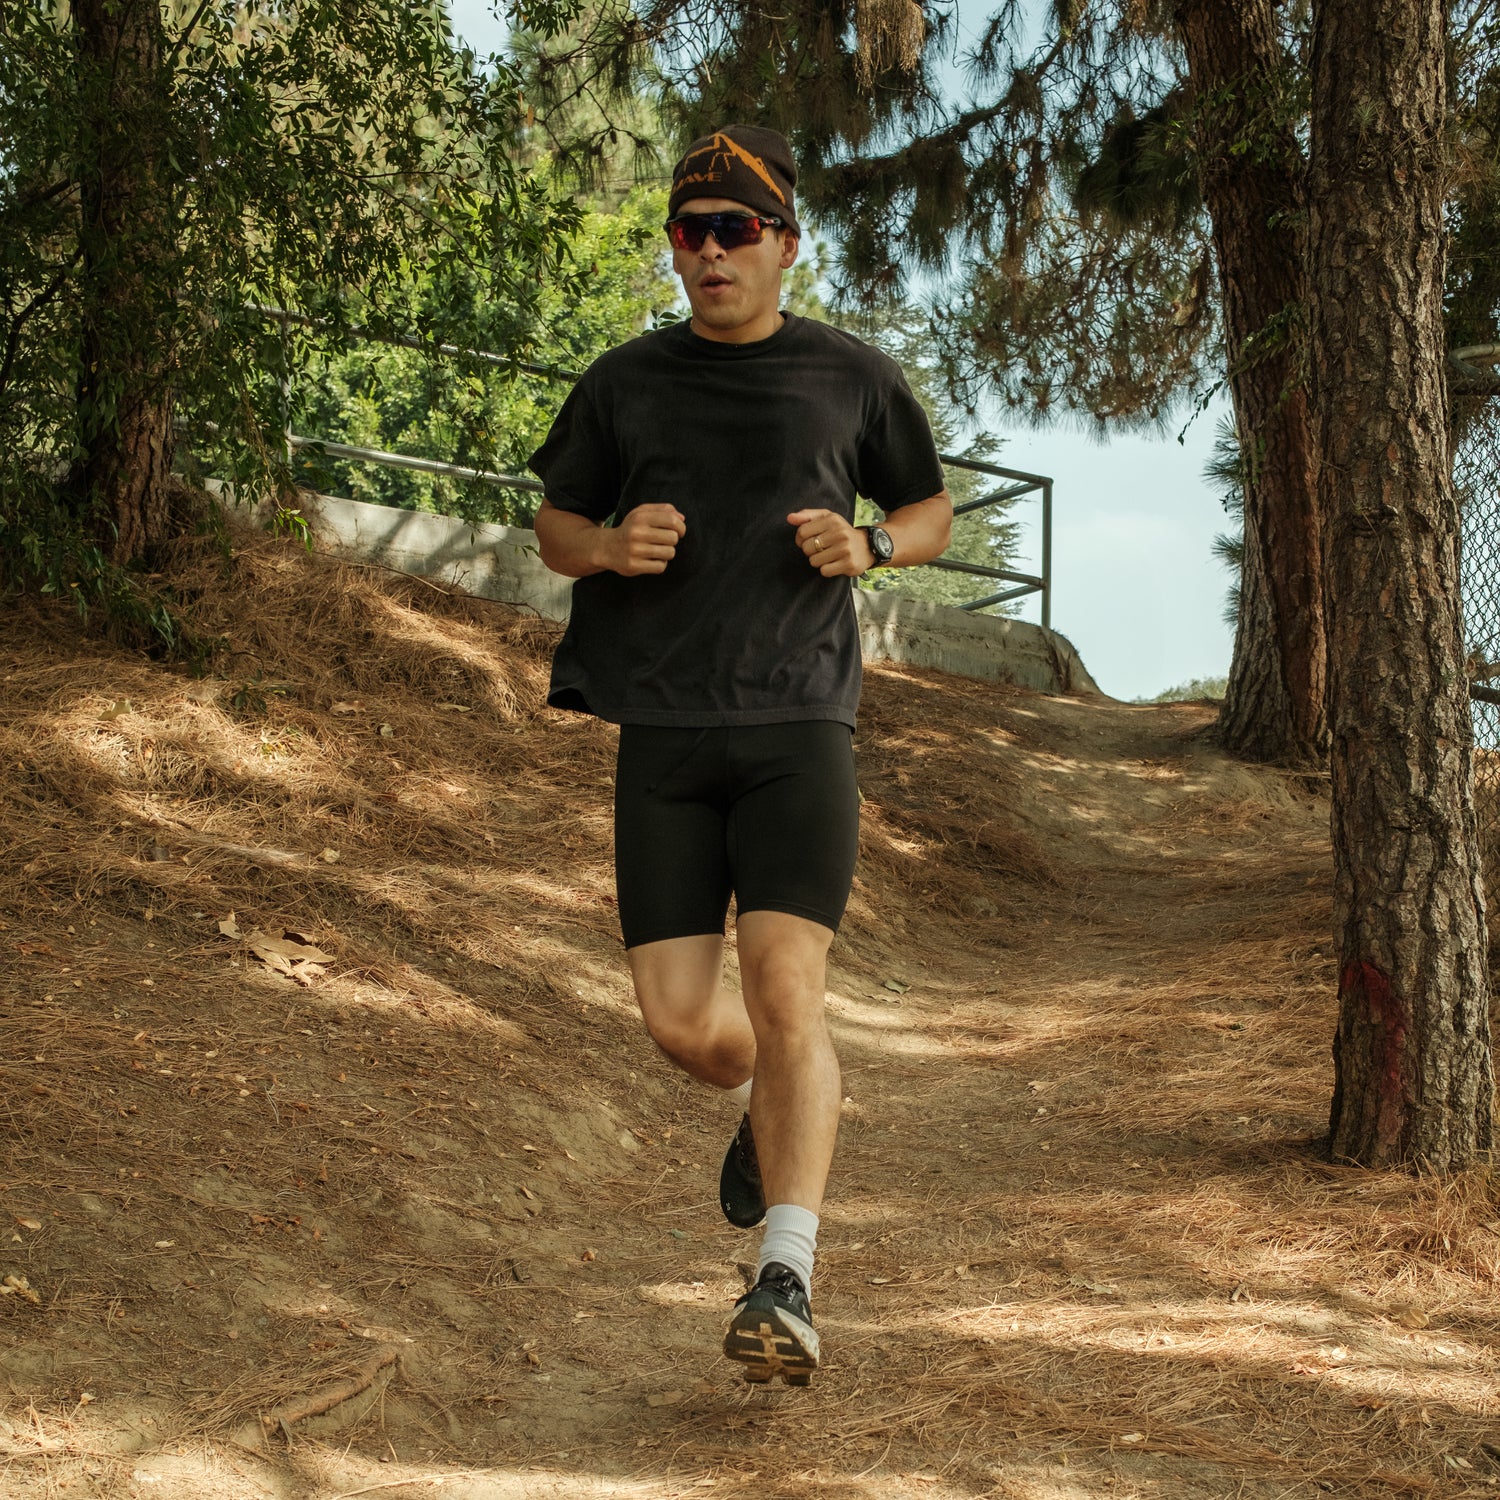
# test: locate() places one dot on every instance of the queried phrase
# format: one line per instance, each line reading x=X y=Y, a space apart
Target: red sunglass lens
x=730 y=230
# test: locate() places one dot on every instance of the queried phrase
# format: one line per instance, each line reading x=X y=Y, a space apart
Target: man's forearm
x=570 y=544
x=921 y=531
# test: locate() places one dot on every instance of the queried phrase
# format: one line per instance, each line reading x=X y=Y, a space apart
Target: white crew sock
x=791 y=1237
x=741 y=1095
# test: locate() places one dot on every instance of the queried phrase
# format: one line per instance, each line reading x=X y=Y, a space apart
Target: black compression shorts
x=769 y=812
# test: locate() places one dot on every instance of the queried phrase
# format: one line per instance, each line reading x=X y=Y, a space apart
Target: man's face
x=734 y=294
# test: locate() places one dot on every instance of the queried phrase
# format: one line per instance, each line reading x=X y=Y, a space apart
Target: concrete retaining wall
x=501 y=562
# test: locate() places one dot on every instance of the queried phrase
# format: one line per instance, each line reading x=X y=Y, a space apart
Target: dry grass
x=1080 y=1241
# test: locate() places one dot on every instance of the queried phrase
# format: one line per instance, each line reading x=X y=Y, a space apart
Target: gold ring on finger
x=818 y=543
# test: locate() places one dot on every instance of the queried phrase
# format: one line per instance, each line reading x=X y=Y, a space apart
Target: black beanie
x=748 y=163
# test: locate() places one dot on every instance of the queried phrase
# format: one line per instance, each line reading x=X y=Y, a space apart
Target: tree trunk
x=125 y=382
x=1250 y=169
x=1255 y=721
x=1412 y=1064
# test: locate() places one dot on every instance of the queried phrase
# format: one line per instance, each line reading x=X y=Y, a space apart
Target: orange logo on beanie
x=719 y=150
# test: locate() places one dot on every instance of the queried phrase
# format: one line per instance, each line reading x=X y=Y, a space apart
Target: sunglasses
x=688 y=231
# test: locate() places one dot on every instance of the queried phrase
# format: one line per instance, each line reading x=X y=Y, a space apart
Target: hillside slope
x=428 y=1215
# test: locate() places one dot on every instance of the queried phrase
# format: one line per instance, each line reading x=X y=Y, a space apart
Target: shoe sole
x=772 y=1343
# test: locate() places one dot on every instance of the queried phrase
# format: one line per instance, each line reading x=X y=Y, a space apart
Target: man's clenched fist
x=834 y=547
x=645 y=541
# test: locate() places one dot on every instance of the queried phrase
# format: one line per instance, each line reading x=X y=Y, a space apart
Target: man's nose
x=712 y=249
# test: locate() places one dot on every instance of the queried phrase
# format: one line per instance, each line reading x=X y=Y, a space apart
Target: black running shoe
x=771 y=1332
x=740 y=1193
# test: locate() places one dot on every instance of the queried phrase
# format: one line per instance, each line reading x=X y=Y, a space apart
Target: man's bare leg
x=795 y=1111
x=700 y=1025
x=795 y=1106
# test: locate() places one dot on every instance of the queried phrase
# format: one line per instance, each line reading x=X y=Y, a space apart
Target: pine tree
x=1414 y=1079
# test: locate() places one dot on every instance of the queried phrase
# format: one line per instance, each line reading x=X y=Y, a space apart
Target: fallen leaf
x=1098 y=1288
x=115 y=709
x=665 y=1398
x=273 y=961
x=18 y=1286
x=1134 y=1437
x=458 y=708
x=165 y=1244
x=281 y=953
x=1408 y=1315
x=880 y=1281
x=678 y=1234
x=897 y=986
x=29 y=1223
x=386 y=732
x=346 y=708
x=230 y=928
x=329 y=856
x=305 y=973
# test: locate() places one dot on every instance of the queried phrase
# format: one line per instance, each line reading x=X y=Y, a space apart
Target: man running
x=700 y=486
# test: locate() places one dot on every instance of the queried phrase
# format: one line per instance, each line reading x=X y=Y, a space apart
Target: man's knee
x=785 y=968
x=679 y=1031
x=675 y=983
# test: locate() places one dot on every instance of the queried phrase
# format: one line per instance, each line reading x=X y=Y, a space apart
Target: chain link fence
x=1476 y=471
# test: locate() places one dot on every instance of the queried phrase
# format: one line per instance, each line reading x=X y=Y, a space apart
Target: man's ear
x=789 y=247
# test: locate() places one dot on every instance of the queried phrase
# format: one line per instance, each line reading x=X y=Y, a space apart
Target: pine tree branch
x=1466 y=379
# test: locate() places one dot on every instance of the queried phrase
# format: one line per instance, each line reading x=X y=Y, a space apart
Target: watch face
x=881 y=544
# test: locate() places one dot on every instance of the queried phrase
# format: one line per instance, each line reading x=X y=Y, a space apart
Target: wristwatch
x=881 y=545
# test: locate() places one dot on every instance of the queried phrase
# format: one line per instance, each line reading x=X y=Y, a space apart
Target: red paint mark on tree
x=1381 y=1007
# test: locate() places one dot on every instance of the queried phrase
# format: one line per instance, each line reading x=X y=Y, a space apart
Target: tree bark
x=1251 y=173
x=1412 y=1063
x=125 y=382
x=1256 y=719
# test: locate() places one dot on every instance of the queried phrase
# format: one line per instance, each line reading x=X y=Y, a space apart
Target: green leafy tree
x=472 y=414
x=169 y=165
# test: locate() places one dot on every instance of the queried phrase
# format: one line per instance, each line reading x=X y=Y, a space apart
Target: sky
x=1136 y=587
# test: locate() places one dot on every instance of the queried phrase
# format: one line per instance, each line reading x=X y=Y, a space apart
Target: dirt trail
x=1078 y=1242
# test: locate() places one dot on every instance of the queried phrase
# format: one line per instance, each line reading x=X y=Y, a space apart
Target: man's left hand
x=831 y=545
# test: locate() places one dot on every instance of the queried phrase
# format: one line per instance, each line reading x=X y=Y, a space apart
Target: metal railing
x=1019 y=483
x=411 y=461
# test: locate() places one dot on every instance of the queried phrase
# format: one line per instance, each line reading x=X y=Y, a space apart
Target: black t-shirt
x=740 y=628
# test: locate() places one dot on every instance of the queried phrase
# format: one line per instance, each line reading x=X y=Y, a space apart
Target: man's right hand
x=645 y=541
